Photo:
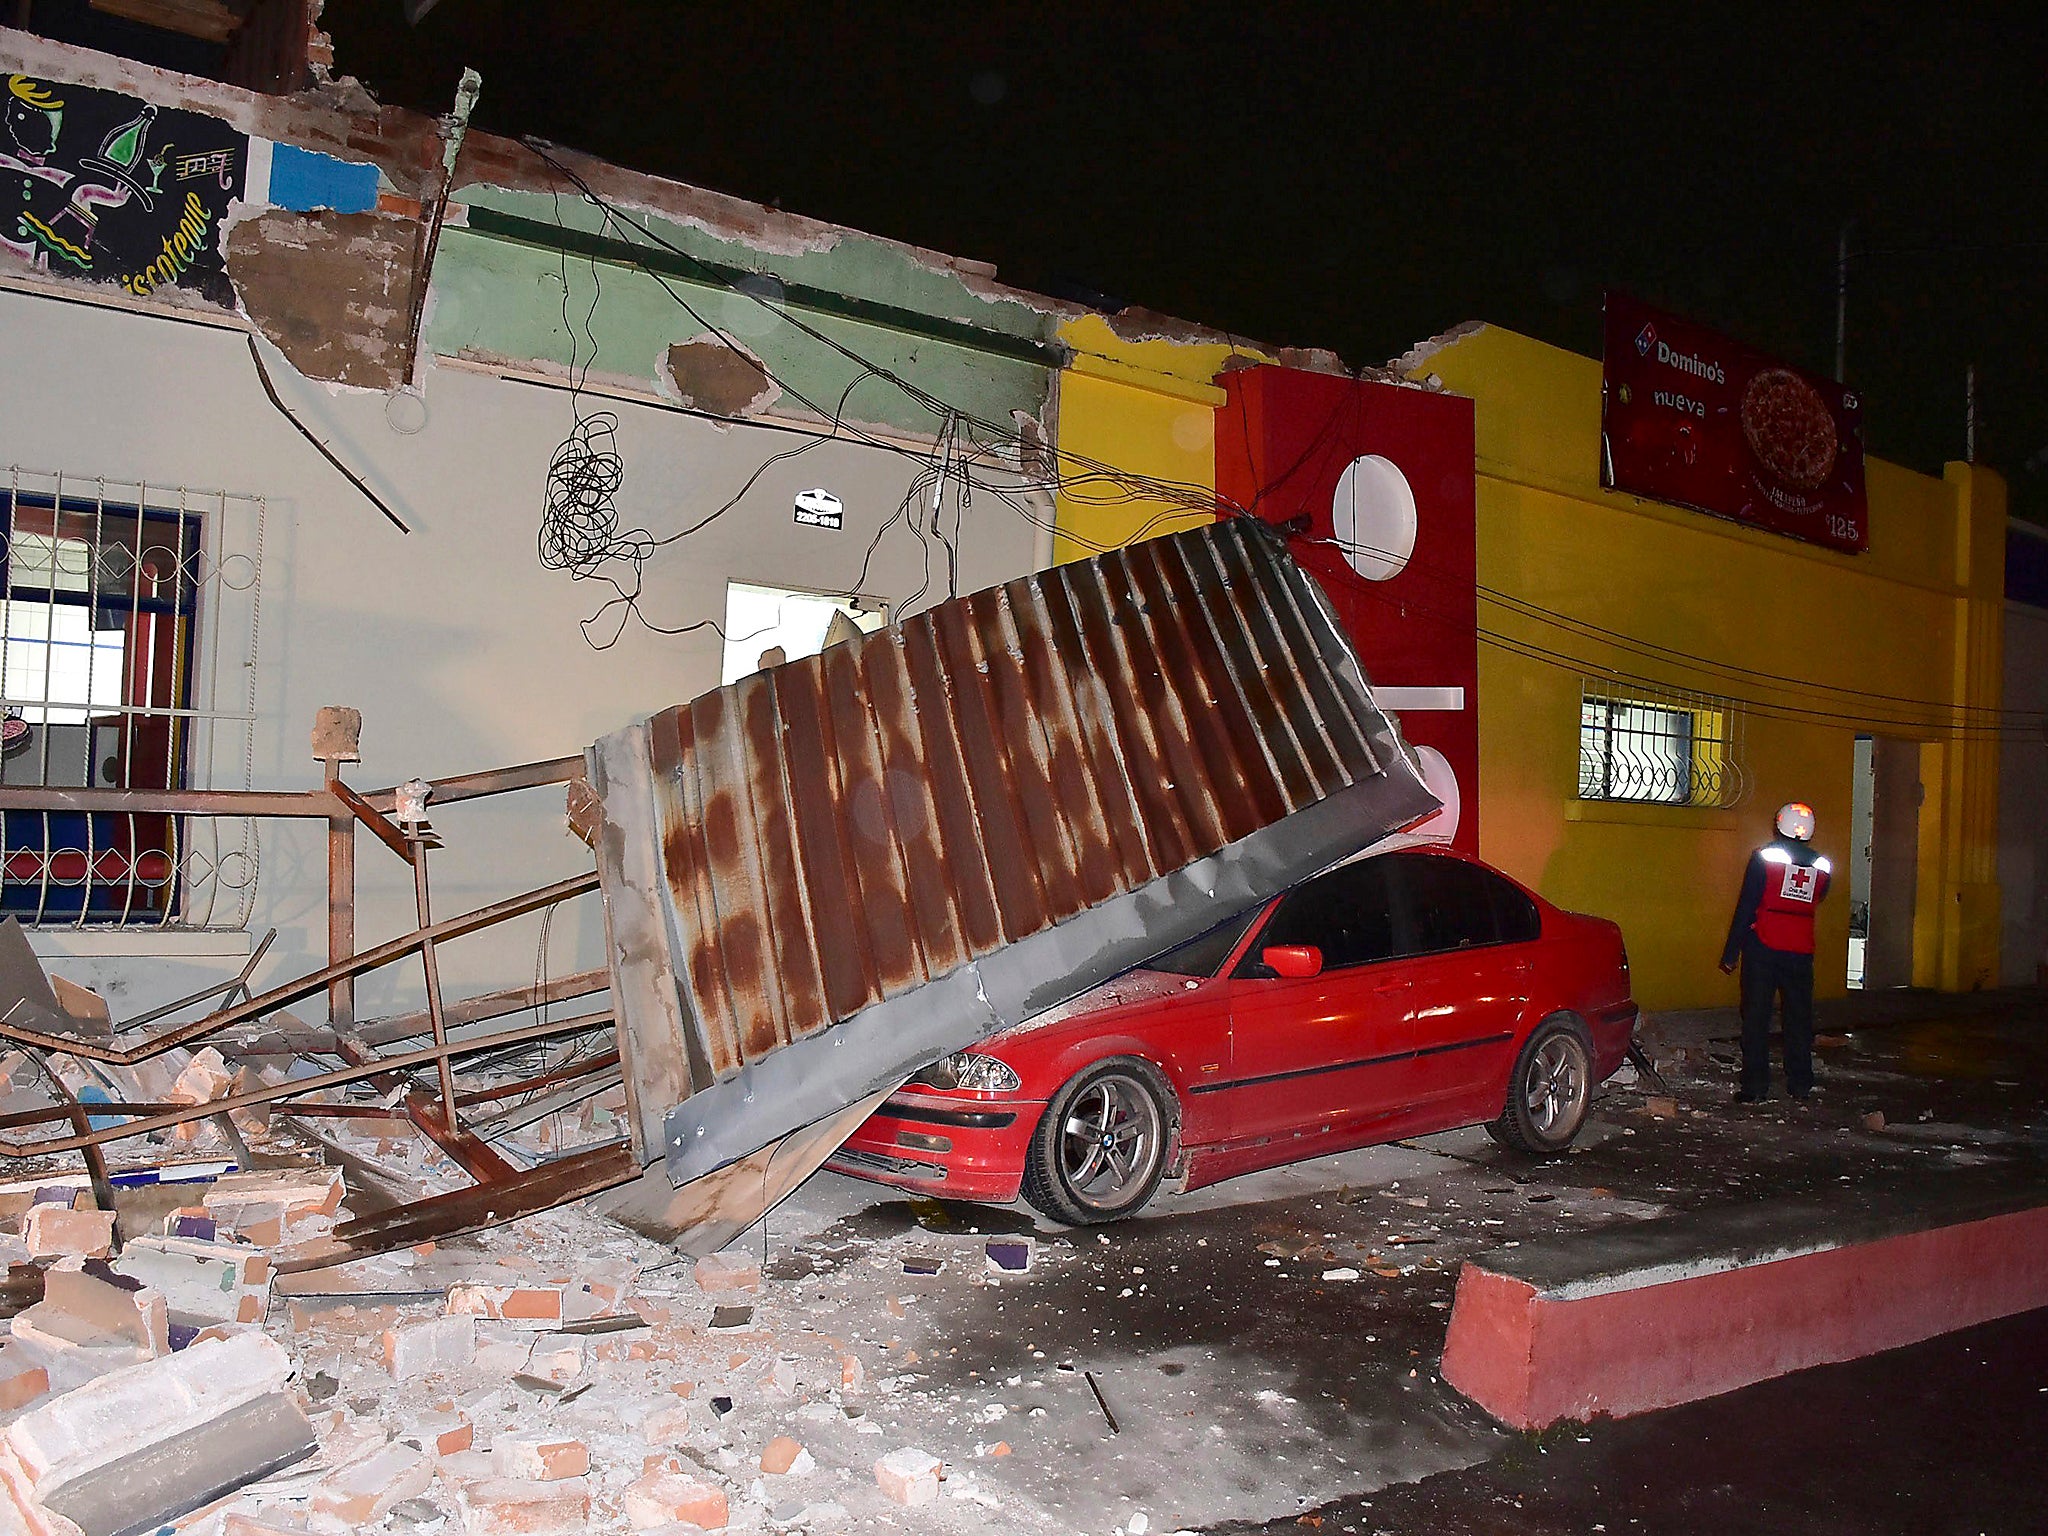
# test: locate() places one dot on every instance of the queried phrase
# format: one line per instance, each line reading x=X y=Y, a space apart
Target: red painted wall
x=1283 y=440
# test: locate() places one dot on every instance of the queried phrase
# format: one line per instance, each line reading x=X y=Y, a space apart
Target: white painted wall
x=2023 y=802
x=460 y=650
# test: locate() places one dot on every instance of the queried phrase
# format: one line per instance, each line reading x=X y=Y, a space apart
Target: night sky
x=1360 y=177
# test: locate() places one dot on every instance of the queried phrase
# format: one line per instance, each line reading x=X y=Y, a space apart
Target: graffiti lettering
x=103 y=185
x=182 y=246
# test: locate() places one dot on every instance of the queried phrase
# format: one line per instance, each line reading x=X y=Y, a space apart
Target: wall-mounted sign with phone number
x=1689 y=416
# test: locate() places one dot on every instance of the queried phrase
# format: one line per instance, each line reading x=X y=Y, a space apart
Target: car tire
x=1102 y=1145
x=1549 y=1092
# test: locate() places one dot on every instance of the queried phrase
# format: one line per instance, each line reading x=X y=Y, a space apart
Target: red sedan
x=1409 y=992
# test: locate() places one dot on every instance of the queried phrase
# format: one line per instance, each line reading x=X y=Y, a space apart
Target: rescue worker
x=1772 y=933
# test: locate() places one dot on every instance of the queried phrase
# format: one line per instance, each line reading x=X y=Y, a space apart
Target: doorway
x=1884 y=861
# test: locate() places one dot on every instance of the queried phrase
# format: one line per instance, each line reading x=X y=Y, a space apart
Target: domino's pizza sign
x=1695 y=418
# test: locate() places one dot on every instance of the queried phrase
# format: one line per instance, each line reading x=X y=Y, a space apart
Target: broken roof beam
x=824 y=876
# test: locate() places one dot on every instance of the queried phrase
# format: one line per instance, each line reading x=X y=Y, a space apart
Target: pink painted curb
x=1532 y=1352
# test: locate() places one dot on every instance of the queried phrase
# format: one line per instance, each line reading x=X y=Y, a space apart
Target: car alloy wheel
x=1556 y=1085
x=1550 y=1090
x=1101 y=1149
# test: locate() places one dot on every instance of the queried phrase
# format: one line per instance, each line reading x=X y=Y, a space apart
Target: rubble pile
x=556 y=1375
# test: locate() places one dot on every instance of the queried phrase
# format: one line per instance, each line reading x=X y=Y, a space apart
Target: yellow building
x=1772 y=656
x=1726 y=669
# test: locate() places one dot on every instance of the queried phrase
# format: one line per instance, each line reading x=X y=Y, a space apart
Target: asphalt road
x=1946 y=1438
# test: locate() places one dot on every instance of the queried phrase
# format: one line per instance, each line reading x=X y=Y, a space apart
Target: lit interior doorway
x=1884 y=861
x=765 y=626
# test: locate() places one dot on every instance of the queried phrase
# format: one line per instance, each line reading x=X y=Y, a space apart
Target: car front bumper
x=959 y=1146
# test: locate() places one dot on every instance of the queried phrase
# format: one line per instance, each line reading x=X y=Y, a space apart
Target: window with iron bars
x=1658 y=746
x=128 y=626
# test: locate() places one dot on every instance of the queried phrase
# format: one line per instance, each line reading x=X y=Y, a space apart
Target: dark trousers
x=1767 y=975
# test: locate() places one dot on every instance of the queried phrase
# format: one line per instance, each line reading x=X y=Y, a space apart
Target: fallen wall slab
x=1621 y=1323
x=825 y=876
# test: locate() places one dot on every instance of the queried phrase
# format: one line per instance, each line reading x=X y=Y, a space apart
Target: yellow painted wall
x=1147 y=408
x=1917 y=617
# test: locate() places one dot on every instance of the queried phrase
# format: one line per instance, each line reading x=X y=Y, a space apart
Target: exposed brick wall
x=330 y=289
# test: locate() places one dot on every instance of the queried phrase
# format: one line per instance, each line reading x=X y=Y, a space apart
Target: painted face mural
x=101 y=185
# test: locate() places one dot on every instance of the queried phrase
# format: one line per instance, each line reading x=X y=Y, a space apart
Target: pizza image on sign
x=1692 y=417
x=1790 y=428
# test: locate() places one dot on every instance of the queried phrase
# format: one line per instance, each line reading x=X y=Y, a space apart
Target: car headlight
x=965 y=1069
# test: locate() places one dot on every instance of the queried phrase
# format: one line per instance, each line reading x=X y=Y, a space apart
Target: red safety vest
x=1784 y=914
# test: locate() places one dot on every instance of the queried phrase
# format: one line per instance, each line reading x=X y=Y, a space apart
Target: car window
x=1201 y=957
x=1516 y=913
x=1455 y=905
x=1347 y=913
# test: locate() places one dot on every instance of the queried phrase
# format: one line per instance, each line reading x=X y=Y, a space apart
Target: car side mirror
x=1293 y=962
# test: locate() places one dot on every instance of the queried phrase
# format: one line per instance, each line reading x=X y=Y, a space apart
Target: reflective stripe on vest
x=1784 y=914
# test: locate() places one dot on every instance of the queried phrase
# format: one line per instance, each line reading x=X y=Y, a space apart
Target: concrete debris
x=909 y=1476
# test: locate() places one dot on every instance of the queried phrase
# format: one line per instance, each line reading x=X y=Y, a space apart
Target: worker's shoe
x=1751 y=1095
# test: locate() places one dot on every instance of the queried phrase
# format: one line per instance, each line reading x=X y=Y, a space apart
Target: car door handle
x=1393 y=986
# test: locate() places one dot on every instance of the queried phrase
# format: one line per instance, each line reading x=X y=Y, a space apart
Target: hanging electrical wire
x=967 y=449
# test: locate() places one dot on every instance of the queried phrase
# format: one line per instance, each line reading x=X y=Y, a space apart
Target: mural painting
x=101 y=185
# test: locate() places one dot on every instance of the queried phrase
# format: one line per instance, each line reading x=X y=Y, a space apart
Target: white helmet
x=1796 y=820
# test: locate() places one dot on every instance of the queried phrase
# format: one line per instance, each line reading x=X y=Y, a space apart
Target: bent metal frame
x=419 y=1085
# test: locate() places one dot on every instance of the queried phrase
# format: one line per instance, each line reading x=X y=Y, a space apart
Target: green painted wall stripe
x=797 y=296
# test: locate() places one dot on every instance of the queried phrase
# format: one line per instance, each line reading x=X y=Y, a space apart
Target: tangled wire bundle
x=579 y=521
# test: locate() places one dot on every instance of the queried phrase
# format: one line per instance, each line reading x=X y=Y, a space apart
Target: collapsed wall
x=828 y=875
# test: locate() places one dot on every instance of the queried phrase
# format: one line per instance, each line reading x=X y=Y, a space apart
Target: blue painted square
x=303 y=179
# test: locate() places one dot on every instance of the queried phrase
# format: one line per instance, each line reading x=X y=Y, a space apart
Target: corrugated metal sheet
x=813 y=843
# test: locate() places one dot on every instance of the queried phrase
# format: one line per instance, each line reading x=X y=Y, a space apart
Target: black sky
x=1361 y=176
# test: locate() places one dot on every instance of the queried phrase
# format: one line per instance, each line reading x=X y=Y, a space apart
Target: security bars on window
x=1658 y=746
x=129 y=619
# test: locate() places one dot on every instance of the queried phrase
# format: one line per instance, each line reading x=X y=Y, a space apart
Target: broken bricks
x=154 y=1440
x=728 y=1271
x=53 y=1231
x=87 y=1307
x=203 y=1281
x=671 y=1498
x=431 y=1345
x=367 y=1489
x=539 y=1458
x=510 y=1506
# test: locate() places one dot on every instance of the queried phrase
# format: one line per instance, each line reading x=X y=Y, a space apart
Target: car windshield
x=1203 y=956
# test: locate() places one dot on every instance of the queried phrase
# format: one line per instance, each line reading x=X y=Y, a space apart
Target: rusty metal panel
x=823 y=877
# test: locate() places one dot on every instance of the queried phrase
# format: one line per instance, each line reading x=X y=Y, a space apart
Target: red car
x=1408 y=992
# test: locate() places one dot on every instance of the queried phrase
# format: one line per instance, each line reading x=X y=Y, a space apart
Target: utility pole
x=1842 y=303
x=1970 y=414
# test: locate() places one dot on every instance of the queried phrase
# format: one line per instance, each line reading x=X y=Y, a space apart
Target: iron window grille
x=129 y=617
x=1658 y=746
